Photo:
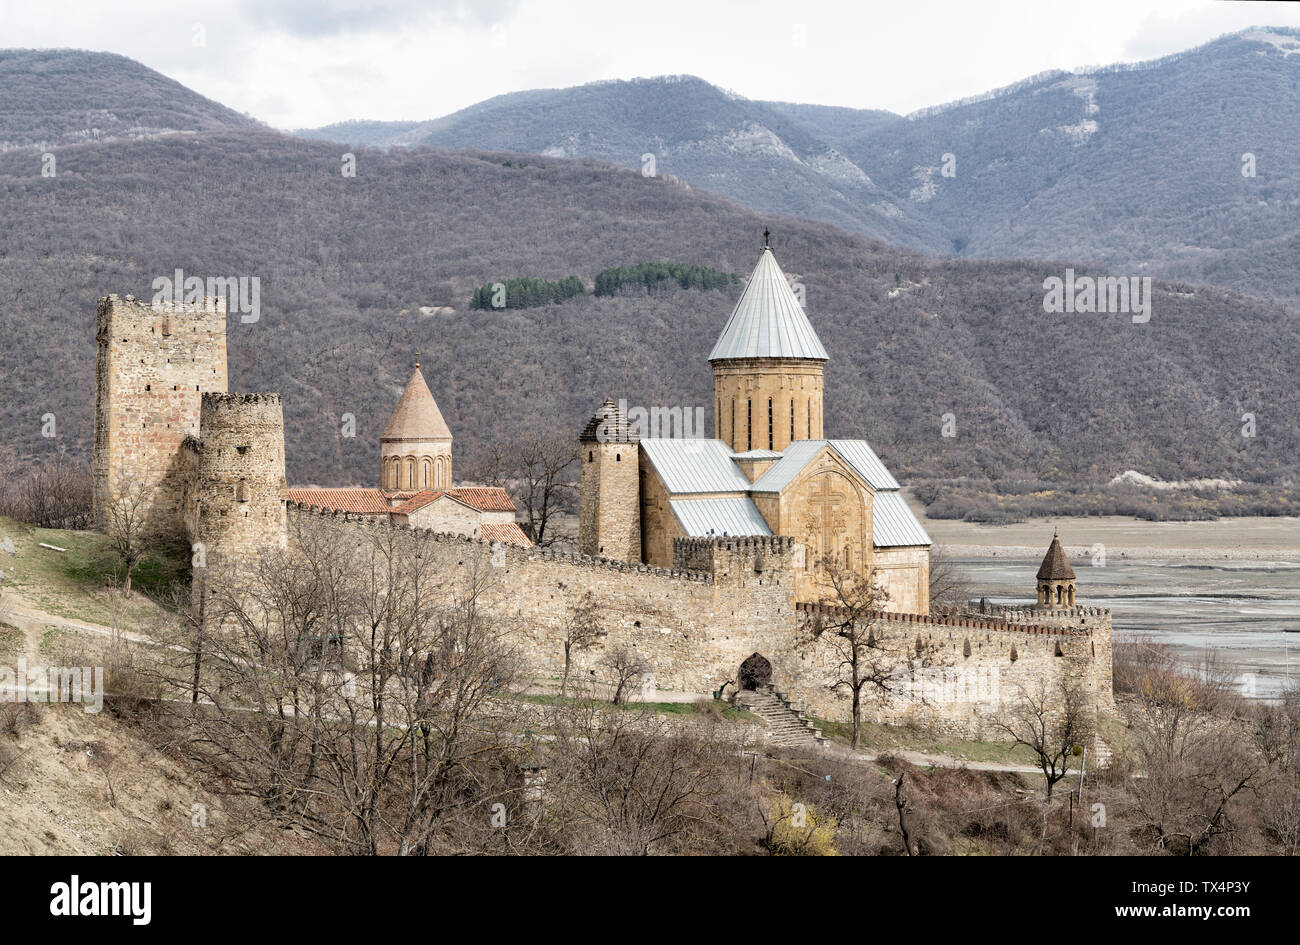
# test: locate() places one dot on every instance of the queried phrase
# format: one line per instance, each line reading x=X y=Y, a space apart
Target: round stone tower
x=768 y=367
x=1055 y=577
x=240 y=483
x=609 y=496
x=415 y=448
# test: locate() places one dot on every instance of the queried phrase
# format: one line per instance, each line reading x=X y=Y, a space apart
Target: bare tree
x=582 y=630
x=350 y=684
x=1198 y=755
x=126 y=523
x=950 y=588
x=627 y=666
x=535 y=468
x=1052 y=722
x=632 y=783
x=848 y=622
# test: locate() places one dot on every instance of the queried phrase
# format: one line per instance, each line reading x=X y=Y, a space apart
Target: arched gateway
x=755 y=672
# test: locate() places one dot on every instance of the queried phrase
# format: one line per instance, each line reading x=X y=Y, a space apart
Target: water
x=1243 y=609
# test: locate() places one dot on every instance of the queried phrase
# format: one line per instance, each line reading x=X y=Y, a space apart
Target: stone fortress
x=702 y=554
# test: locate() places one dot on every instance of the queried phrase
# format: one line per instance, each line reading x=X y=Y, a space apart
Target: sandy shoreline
x=1235 y=539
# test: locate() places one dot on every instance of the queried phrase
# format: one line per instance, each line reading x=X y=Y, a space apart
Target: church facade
x=769 y=470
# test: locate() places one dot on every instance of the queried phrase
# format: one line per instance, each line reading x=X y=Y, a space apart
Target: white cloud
x=303 y=63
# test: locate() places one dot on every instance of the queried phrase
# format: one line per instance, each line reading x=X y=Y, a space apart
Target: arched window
x=410 y=473
x=792 y=420
x=848 y=558
x=749 y=425
x=771 y=428
x=426 y=473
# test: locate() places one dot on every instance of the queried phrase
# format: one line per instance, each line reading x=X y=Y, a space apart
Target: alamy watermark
x=656 y=422
x=1103 y=295
x=243 y=294
x=81 y=685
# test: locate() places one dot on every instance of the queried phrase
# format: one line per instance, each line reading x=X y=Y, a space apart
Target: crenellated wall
x=732 y=597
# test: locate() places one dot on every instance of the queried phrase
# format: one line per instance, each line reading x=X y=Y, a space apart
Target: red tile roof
x=358 y=500
x=485 y=498
x=510 y=533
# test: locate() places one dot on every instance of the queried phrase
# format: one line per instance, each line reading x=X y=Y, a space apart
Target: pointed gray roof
x=768 y=321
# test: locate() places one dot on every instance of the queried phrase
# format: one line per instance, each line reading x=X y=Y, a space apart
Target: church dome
x=768 y=321
x=416 y=416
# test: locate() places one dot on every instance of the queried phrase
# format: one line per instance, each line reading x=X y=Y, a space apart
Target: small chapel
x=416 y=487
x=770 y=468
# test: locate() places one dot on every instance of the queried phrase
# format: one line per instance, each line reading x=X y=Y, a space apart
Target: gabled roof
x=364 y=501
x=416 y=416
x=857 y=453
x=768 y=321
x=607 y=425
x=694 y=465
x=892 y=522
x=1055 y=566
x=510 y=533
x=702 y=517
x=479 y=498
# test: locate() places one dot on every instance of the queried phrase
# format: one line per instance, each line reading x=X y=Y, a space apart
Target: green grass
x=75 y=583
x=886 y=738
x=13 y=642
x=726 y=710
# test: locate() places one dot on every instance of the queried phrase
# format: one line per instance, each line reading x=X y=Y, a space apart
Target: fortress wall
x=153 y=364
x=695 y=625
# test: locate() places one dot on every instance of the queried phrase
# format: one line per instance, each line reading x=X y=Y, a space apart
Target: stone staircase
x=787 y=727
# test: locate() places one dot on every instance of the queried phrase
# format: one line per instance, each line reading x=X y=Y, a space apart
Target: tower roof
x=607 y=425
x=1055 y=566
x=416 y=416
x=768 y=321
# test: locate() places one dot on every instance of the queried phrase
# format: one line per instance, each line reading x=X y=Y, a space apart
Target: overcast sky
x=305 y=63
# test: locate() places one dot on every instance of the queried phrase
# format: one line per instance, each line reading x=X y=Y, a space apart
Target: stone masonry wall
x=695 y=625
x=239 y=482
x=153 y=364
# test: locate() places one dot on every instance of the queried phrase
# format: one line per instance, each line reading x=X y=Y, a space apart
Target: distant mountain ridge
x=362 y=275
x=52 y=97
x=1137 y=167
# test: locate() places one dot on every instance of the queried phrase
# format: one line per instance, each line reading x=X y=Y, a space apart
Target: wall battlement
x=964 y=623
x=506 y=553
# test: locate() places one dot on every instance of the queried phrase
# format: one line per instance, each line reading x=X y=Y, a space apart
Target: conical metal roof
x=768 y=321
x=416 y=416
x=1055 y=566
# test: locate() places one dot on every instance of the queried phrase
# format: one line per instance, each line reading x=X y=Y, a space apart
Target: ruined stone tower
x=238 y=499
x=415 y=448
x=609 y=500
x=1055 y=577
x=767 y=367
x=153 y=365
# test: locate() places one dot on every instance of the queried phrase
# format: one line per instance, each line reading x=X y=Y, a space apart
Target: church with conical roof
x=768 y=470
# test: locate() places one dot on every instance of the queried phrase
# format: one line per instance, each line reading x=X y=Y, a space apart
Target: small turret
x=1055 y=577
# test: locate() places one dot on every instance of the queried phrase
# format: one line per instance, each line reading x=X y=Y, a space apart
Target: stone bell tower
x=1055 y=577
x=767 y=366
x=609 y=496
